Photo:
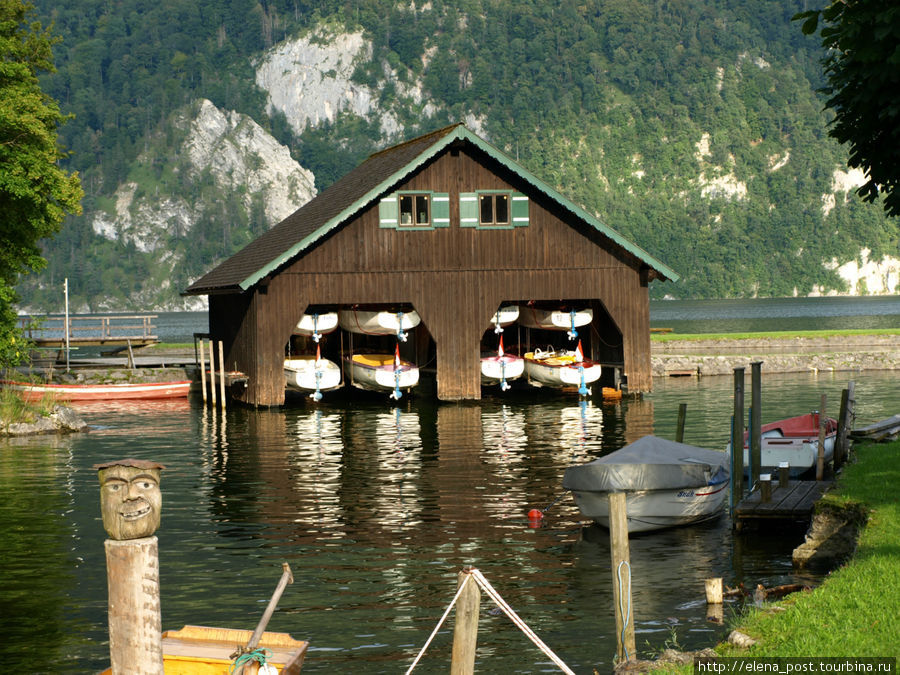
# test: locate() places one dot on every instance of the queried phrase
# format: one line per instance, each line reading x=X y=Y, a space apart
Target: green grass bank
x=856 y=611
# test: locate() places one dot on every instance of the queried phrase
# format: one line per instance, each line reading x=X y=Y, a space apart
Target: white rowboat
x=382 y=372
x=561 y=368
x=316 y=324
x=311 y=374
x=373 y=322
x=555 y=319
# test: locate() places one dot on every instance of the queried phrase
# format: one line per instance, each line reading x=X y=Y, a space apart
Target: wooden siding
x=455 y=277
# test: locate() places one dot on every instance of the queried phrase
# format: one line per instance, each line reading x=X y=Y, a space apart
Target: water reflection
x=377 y=509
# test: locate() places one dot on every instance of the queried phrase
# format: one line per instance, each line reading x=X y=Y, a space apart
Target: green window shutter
x=387 y=211
x=519 y=210
x=468 y=209
x=440 y=209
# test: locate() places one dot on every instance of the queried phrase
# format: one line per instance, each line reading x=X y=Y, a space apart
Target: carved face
x=130 y=501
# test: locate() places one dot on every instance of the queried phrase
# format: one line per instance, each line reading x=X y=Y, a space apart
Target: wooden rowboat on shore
x=100 y=392
x=202 y=650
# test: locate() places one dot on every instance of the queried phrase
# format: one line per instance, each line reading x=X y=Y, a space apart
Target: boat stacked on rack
x=378 y=322
x=382 y=372
x=561 y=368
x=315 y=325
x=312 y=374
x=665 y=484
x=501 y=367
x=567 y=319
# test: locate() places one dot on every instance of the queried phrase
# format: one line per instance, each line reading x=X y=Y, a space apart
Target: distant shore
x=720 y=356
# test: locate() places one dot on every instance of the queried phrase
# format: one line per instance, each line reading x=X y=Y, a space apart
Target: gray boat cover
x=650 y=463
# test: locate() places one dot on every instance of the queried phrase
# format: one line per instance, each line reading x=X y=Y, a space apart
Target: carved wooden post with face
x=131 y=501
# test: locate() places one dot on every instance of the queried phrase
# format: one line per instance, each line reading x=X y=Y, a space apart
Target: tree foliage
x=35 y=193
x=607 y=101
x=862 y=65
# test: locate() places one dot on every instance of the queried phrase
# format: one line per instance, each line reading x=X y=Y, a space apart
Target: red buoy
x=535 y=514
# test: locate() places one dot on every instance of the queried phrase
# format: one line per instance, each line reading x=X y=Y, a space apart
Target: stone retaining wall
x=789 y=355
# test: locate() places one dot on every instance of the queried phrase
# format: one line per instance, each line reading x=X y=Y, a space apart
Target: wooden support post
x=845 y=420
x=135 y=626
x=755 y=421
x=202 y=371
x=130 y=354
x=737 y=440
x=621 y=577
x=784 y=474
x=765 y=488
x=212 y=376
x=820 y=459
x=679 y=430
x=465 y=632
x=714 y=591
x=222 y=373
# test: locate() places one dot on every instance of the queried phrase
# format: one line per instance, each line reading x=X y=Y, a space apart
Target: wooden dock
x=118 y=332
x=795 y=501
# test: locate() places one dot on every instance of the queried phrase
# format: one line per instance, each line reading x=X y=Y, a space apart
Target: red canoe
x=100 y=392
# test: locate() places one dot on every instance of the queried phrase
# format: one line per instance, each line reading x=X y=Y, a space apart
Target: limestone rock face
x=237 y=161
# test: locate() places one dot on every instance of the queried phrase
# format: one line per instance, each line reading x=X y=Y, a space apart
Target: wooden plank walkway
x=794 y=502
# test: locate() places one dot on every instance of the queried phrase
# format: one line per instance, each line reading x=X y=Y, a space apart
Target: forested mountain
x=693 y=128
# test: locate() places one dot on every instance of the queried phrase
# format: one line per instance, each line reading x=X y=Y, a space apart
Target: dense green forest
x=608 y=101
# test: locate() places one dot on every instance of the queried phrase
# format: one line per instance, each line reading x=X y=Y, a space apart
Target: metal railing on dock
x=53 y=331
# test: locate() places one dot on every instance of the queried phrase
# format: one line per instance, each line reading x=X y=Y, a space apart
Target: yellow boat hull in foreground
x=201 y=650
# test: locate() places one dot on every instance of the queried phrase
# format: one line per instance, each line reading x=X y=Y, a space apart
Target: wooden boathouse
x=482 y=232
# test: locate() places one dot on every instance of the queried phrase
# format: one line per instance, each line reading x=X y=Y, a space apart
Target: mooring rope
x=436 y=628
x=624 y=612
x=509 y=611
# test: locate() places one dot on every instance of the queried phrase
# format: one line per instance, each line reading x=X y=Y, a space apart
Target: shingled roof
x=356 y=190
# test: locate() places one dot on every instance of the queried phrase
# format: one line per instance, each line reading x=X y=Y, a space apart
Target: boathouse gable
x=444 y=223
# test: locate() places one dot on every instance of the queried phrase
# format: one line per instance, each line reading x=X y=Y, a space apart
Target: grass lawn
x=856 y=611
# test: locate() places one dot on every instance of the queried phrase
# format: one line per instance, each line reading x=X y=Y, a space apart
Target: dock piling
x=784 y=474
x=202 y=371
x=765 y=488
x=820 y=459
x=737 y=440
x=845 y=421
x=621 y=572
x=679 y=430
x=465 y=631
x=222 y=373
x=755 y=421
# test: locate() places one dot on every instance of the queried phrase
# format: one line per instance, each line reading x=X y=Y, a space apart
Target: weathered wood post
x=755 y=421
x=222 y=373
x=737 y=441
x=820 y=459
x=212 y=376
x=784 y=474
x=130 y=502
x=679 y=430
x=465 y=631
x=765 y=488
x=202 y=371
x=621 y=577
x=844 y=422
x=714 y=609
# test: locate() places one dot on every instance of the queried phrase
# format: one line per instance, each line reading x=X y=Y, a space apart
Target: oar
x=286 y=578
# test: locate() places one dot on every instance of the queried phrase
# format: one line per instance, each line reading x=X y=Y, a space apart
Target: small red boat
x=100 y=392
x=794 y=440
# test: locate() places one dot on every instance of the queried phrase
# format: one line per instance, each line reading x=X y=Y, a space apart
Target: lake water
x=377 y=508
